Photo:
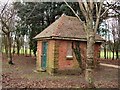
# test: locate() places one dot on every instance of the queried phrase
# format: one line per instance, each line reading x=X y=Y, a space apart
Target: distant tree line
x=23 y=21
x=111 y=32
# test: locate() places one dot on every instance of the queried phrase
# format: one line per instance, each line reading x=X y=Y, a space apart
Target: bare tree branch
x=96 y=9
x=31 y=12
x=6 y=18
x=4 y=30
x=28 y=16
x=86 y=6
x=4 y=23
x=73 y=11
x=4 y=7
x=107 y=9
x=91 y=4
x=82 y=8
x=117 y=12
x=98 y=16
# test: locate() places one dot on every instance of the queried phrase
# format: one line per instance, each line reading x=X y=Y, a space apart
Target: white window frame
x=69 y=51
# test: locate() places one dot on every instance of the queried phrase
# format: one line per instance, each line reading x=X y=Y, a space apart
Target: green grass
x=21 y=51
x=109 y=54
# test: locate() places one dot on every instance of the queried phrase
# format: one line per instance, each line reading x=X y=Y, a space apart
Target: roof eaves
x=41 y=38
x=69 y=38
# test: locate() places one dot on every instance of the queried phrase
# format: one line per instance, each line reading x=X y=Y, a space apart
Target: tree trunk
x=18 y=48
x=105 y=51
x=6 y=50
x=30 y=52
x=9 y=49
x=25 y=51
x=117 y=55
x=113 y=54
x=117 y=49
x=110 y=50
x=113 y=51
x=77 y=52
x=13 y=49
x=90 y=59
x=5 y=45
x=18 y=51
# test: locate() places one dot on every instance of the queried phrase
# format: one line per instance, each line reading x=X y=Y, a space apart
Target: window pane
x=69 y=50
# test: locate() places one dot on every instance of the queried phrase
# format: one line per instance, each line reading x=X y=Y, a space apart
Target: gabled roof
x=66 y=27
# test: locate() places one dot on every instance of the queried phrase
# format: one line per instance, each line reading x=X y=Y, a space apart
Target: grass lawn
x=22 y=75
x=109 y=53
x=21 y=51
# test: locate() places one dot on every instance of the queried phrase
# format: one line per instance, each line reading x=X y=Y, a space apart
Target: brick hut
x=54 y=45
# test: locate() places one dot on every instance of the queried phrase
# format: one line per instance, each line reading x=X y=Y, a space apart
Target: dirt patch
x=22 y=75
x=110 y=61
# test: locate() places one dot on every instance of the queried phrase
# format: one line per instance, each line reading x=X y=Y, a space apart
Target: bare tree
x=118 y=40
x=115 y=35
x=6 y=19
x=87 y=8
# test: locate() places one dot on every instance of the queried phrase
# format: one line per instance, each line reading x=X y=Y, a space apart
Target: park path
x=110 y=65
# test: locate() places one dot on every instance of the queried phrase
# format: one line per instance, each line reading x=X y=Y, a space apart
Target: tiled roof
x=66 y=27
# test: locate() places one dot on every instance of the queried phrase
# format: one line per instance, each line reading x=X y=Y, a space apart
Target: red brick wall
x=64 y=63
x=39 y=53
x=96 y=52
x=50 y=55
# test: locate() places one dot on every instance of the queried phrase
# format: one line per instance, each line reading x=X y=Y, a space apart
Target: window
x=69 y=51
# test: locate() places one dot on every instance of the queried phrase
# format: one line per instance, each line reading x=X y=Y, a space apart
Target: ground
x=23 y=75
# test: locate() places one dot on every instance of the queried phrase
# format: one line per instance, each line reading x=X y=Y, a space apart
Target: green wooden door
x=44 y=55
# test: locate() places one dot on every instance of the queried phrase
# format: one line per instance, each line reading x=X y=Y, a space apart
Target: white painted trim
x=69 y=56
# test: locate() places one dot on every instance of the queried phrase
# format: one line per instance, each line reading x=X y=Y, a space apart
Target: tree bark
x=30 y=51
x=18 y=47
x=9 y=49
x=18 y=51
x=13 y=52
x=117 y=54
x=25 y=51
x=105 y=51
x=90 y=60
x=113 y=54
x=5 y=45
x=78 y=54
